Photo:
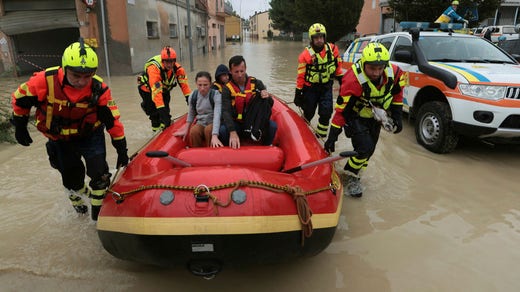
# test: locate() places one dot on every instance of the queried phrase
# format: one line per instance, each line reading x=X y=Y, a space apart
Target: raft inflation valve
x=167 y=197
x=207 y=269
x=238 y=196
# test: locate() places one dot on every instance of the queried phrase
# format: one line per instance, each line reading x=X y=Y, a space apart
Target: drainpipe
x=179 y=30
x=105 y=46
x=189 y=31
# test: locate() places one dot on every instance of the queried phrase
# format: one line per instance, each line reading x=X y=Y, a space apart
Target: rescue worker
x=370 y=90
x=318 y=65
x=161 y=74
x=73 y=107
x=450 y=14
x=243 y=89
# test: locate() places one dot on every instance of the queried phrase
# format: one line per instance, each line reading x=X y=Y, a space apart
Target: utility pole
x=190 y=36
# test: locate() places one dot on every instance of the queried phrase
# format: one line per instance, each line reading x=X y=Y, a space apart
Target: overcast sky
x=246 y=8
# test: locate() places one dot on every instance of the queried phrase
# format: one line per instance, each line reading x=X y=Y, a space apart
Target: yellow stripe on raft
x=213 y=225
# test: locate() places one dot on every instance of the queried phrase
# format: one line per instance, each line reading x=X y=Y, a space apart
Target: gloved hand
x=397 y=116
x=187 y=96
x=20 y=130
x=164 y=116
x=122 y=152
x=330 y=144
x=339 y=78
x=299 y=100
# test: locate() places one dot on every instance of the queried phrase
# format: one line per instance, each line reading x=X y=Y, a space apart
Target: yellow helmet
x=316 y=30
x=455 y=2
x=80 y=58
x=376 y=54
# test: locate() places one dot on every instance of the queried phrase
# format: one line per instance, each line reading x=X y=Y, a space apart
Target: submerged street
x=426 y=222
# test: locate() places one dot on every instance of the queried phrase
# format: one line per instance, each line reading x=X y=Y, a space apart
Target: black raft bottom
x=221 y=250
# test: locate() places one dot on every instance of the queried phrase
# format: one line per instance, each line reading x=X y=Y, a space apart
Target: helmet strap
x=82 y=50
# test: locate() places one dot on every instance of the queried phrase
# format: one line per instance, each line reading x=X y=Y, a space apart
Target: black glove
x=299 y=100
x=20 y=130
x=187 y=96
x=330 y=144
x=122 y=152
x=339 y=78
x=164 y=116
x=106 y=117
x=397 y=116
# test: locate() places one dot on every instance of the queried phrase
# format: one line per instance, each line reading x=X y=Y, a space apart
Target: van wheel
x=433 y=128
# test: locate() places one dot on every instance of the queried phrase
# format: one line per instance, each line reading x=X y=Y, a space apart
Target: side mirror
x=403 y=56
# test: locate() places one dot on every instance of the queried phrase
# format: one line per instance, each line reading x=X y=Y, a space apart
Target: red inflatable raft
x=208 y=207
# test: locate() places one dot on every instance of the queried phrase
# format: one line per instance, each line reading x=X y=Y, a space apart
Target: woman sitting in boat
x=205 y=107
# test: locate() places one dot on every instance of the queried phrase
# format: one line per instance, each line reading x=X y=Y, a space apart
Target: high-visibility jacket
x=64 y=112
x=318 y=68
x=217 y=86
x=156 y=79
x=240 y=99
x=449 y=15
x=357 y=90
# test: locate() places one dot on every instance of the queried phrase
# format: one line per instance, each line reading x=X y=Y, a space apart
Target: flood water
x=426 y=222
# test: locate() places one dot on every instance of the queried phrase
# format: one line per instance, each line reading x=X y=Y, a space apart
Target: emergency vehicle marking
x=470 y=75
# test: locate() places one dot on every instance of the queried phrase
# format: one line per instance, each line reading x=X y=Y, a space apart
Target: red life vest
x=240 y=99
x=60 y=119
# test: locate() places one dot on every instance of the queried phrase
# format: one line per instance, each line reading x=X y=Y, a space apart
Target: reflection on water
x=426 y=222
x=273 y=62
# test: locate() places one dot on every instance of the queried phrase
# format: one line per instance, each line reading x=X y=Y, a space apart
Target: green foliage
x=283 y=15
x=338 y=16
x=430 y=10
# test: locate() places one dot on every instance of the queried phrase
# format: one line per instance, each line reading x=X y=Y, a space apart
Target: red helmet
x=168 y=53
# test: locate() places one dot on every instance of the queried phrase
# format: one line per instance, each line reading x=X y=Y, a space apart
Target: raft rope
x=298 y=195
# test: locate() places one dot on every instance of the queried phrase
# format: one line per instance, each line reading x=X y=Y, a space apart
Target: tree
x=283 y=15
x=339 y=17
x=406 y=10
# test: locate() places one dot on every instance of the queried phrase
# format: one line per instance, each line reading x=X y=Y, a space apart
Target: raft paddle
x=321 y=161
x=164 y=154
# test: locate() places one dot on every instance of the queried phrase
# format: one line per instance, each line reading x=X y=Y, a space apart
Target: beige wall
x=261 y=24
x=232 y=27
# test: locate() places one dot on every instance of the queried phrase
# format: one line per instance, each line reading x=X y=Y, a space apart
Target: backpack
x=195 y=96
x=256 y=117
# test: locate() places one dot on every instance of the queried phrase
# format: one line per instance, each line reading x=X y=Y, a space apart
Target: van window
x=508 y=29
x=386 y=41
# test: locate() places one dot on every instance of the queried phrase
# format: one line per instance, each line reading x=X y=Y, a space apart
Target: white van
x=500 y=30
x=457 y=85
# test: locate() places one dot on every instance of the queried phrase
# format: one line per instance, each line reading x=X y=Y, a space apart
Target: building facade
x=370 y=19
x=234 y=30
x=260 y=24
x=216 y=24
x=125 y=33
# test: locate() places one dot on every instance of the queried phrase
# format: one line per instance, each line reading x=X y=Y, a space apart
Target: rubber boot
x=96 y=200
x=352 y=185
x=78 y=199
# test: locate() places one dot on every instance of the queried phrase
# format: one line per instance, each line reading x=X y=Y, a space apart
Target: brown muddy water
x=426 y=222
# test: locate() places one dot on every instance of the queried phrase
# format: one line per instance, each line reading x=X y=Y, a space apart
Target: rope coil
x=299 y=196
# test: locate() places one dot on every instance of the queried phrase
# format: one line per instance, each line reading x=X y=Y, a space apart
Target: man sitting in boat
x=246 y=100
x=205 y=106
